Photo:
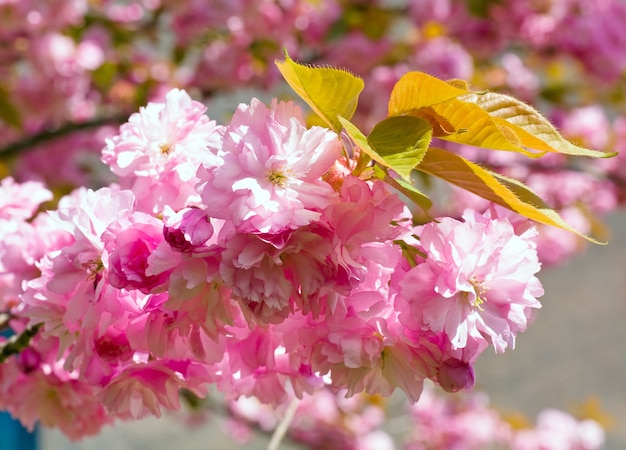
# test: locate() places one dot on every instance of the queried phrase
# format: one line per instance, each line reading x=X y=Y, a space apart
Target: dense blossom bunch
x=256 y=274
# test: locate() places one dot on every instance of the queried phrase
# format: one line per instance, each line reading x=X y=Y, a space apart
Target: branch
x=15 y=344
x=5 y=318
x=48 y=135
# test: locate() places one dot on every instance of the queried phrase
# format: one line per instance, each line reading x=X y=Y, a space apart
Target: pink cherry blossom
x=146 y=388
x=323 y=420
x=477 y=282
x=19 y=250
x=362 y=352
x=25 y=239
x=588 y=125
x=186 y=229
x=19 y=201
x=129 y=243
x=72 y=296
x=267 y=177
x=69 y=405
x=444 y=58
x=259 y=363
x=277 y=274
x=158 y=150
x=455 y=375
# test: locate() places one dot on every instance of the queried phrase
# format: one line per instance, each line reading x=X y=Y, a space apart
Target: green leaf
x=415 y=90
x=402 y=142
x=9 y=114
x=331 y=93
x=498 y=189
x=361 y=141
x=531 y=128
x=399 y=161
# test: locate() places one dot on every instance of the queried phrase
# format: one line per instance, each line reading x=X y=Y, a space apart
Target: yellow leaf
x=439 y=103
x=457 y=83
x=498 y=189
x=329 y=92
x=417 y=90
x=440 y=125
x=480 y=129
x=532 y=129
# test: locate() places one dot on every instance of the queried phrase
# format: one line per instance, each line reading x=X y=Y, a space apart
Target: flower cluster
x=248 y=256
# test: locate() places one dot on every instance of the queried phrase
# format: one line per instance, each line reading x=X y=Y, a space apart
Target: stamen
x=165 y=149
x=94 y=267
x=479 y=289
x=277 y=178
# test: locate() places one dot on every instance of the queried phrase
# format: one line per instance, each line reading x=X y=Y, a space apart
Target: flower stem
x=282 y=427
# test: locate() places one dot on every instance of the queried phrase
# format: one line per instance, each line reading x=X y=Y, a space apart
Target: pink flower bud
x=128 y=258
x=455 y=375
x=113 y=348
x=186 y=229
x=28 y=360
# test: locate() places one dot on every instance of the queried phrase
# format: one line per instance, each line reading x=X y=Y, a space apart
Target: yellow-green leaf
x=360 y=140
x=531 y=128
x=329 y=92
x=495 y=188
x=416 y=90
x=409 y=191
x=396 y=162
